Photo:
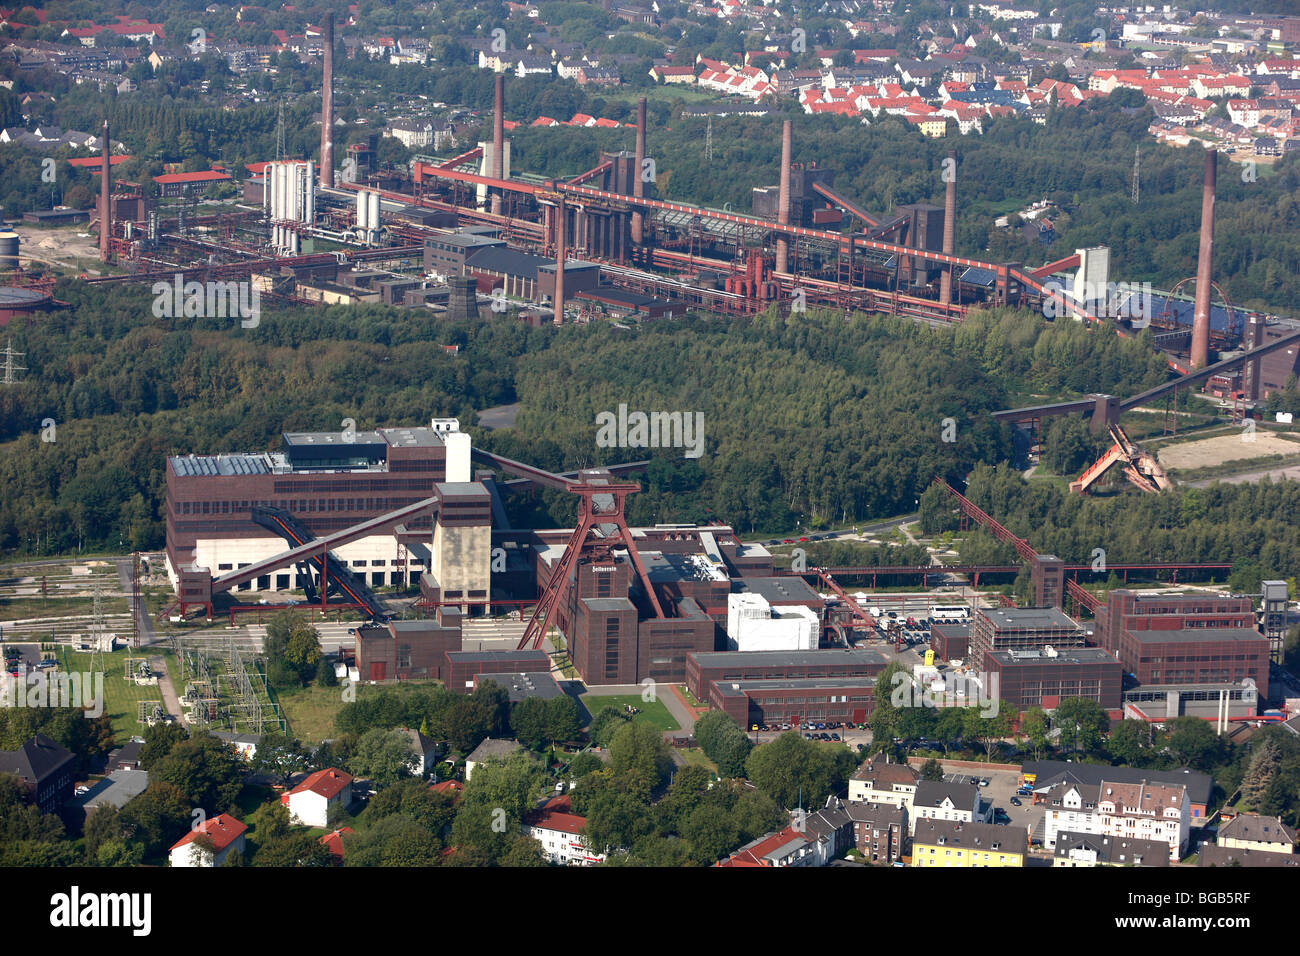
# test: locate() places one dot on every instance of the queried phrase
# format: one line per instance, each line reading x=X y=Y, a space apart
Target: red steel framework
x=592 y=514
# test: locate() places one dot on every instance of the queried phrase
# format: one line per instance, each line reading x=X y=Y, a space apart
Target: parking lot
x=1001 y=788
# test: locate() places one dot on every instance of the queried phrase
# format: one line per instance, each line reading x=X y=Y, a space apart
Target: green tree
x=528 y=722
x=1082 y=723
x=791 y=769
x=1193 y=742
x=158 y=817
x=932 y=770
x=303 y=652
x=280 y=757
x=205 y=770
x=712 y=833
x=640 y=758
x=495 y=801
x=605 y=724
x=384 y=756
x=1264 y=765
x=1129 y=742
x=394 y=840
x=159 y=741
x=1034 y=725
x=562 y=719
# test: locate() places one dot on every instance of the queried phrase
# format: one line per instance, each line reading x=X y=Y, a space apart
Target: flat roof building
x=703 y=668
x=1043 y=678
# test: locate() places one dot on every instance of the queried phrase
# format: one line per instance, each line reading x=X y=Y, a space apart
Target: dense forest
x=1256 y=526
x=810 y=419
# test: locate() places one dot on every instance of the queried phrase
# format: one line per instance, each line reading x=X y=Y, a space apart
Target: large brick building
x=799 y=701
x=1043 y=678
x=1185 y=640
x=704 y=669
x=1020 y=629
x=328 y=481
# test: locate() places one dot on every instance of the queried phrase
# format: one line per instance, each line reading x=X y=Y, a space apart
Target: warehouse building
x=797 y=701
x=703 y=669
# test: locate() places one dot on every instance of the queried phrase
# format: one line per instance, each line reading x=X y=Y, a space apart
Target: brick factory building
x=1205 y=641
x=797 y=701
x=705 y=669
x=1019 y=629
x=328 y=481
x=1043 y=678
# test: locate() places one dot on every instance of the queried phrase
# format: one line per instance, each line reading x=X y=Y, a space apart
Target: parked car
x=1015 y=802
x=984 y=782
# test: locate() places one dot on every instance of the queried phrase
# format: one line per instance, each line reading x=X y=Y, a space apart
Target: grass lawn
x=120 y=695
x=653 y=712
x=59 y=605
x=311 y=710
x=694 y=757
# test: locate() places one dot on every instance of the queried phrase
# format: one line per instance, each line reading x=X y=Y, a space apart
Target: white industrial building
x=753 y=624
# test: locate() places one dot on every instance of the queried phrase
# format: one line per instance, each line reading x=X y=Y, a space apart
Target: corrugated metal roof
x=193 y=466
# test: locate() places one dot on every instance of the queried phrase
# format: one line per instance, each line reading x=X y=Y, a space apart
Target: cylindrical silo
x=8 y=250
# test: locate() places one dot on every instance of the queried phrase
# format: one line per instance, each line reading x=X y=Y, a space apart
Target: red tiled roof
x=96 y=162
x=754 y=855
x=209 y=176
x=334 y=841
x=325 y=782
x=222 y=830
x=561 y=822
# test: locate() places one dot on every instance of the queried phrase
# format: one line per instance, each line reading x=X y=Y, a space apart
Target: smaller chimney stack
x=949 y=228
x=783 y=200
x=638 y=184
x=105 y=197
x=559 y=264
x=327 y=106
x=498 y=140
x=1205 y=266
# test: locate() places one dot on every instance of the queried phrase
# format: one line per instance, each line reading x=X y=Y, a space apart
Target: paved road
x=139 y=613
x=170 y=699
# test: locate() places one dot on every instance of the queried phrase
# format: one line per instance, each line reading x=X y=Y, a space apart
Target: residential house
x=333 y=841
x=423 y=749
x=1251 y=831
x=528 y=65
x=312 y=800
x=683 y=75
x=950 y=843
x=880 y=830
x=490 y=747
x=559 y=831
x=788 y=847
x=1212 y=855
x=940 y=800
x=830 y=830
x=45 y=769
x=1143 y=811
x=411 y=133
x=880 y=782
x=225 y=835
x=1093 y=849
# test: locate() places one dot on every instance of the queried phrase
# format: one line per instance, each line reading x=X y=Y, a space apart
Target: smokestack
x=1204 y=266
x=559 y=265
x=638 y=184
x=327 y=108
x=949 y=229
x=783 y=200
x=105 y=202
x=499 y=140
